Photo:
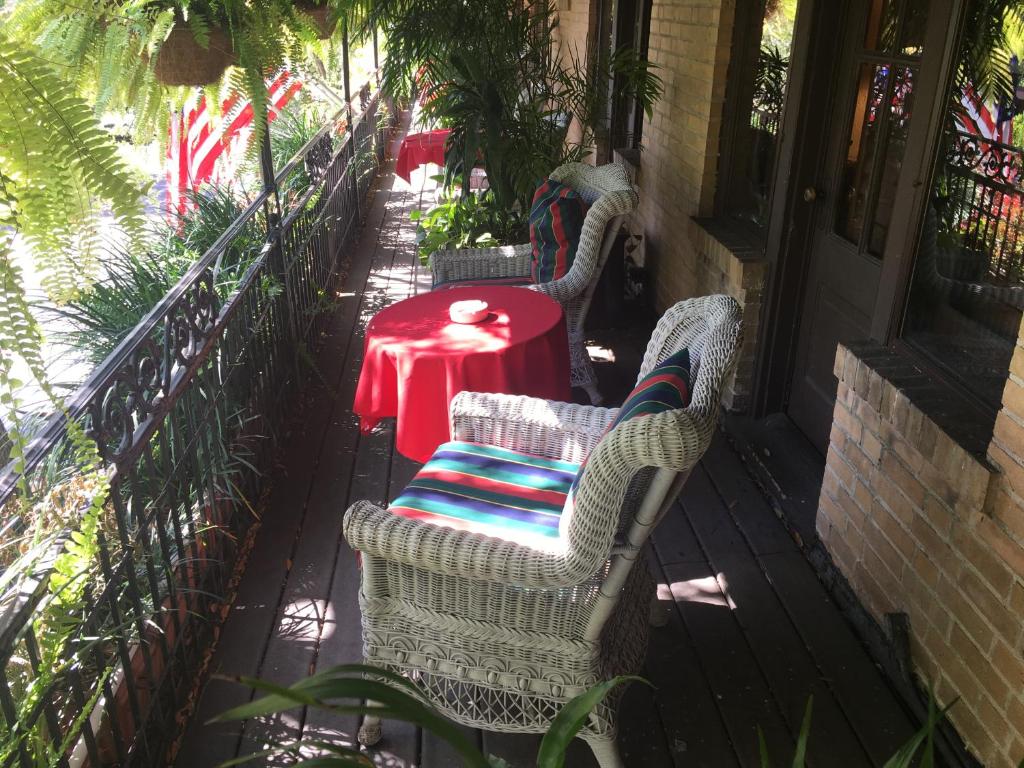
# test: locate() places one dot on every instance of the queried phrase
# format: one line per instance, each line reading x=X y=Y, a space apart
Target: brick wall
x=690 y=44
x=918 y=525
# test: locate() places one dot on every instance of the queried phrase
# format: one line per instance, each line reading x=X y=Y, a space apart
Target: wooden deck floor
x=752 y=633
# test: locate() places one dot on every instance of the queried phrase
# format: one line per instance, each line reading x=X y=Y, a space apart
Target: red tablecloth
x=419 y=149
x=416 y=359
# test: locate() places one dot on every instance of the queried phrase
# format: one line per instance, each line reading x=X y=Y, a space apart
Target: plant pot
x=182 y=61
x=323 y=19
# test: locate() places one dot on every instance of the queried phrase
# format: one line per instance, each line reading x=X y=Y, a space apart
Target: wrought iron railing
x=186 y=413
x=982 y=205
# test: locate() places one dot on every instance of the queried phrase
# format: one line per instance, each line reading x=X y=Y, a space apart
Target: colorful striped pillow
x=494 y=491
x=556 y=222
x=665 y=388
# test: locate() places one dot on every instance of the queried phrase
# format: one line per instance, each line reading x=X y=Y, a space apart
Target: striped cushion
x=493 y=491
x=556 y=222
x=665 y=388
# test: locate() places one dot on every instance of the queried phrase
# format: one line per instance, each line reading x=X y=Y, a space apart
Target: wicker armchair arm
x=479 y=263
x=563 y=431
x=377 y=532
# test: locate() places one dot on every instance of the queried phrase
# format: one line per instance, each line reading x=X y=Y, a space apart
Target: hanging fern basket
x=181 y=60
x=323 y=19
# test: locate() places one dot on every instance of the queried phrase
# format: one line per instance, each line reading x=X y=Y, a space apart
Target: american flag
x=200 y=149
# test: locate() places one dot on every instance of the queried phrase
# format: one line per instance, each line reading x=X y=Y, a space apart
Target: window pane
x=754 y=151
x=968 y=287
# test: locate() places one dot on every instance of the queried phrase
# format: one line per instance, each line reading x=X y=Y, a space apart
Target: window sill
x=954 y=415
x=743 y=242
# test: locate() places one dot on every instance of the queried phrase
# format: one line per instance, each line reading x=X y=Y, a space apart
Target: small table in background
x=420 y=149
x=416 y=360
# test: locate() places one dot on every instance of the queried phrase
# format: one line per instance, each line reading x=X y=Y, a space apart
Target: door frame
x=805 y=134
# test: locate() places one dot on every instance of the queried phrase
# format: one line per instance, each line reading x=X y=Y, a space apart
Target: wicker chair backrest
x=636 y=471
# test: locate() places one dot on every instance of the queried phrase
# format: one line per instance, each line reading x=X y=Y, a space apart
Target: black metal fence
x=185 y=412
x=982 y=206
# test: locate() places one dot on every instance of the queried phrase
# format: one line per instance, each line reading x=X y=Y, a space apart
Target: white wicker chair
x=611 y=198
x=499 y=635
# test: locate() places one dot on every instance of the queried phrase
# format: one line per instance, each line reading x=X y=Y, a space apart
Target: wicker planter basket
x=182 y=61
x=321 y=15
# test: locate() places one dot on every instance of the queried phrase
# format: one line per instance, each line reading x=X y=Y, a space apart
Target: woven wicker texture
x=500 y=636
x=610 y=197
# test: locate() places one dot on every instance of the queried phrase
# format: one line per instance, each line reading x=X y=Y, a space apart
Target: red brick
x=1010 y=664
x=989 y=605
x=896 y=534
x=849 y=423
x=1008 y=511
x=1009 y=433
x=854 y=514
x=887 y=491
x=872 y=446
x=906 y=481
x=880 y=552
x=1002 y=546
x=927 y=569
x=1013 y=397
x=965 y=613
x=980 y=555
x=1017 y=599
x=837 y=463
x=1012 y=471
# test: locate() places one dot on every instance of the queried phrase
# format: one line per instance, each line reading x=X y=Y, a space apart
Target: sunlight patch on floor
x=707 y=590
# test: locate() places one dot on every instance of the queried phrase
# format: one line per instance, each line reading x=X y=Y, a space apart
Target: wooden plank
x=244 y=635
x=868 y=702
x=688 y=711
x=757 y=522
x=787 y=665
x=642 y=739
x=437 y=753
x=740 y=691
x=292 y=647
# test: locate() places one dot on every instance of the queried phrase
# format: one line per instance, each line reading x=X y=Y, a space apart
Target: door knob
x=810 y=195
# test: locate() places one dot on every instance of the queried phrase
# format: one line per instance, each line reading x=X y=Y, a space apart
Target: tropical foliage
x=491 y=72
x=471 y=220
x=344 y=690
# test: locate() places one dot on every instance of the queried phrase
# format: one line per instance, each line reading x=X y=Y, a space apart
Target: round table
x=416 y=359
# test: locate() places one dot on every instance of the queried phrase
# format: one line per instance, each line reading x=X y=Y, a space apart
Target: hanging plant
x=323 y=16
x=188 y=58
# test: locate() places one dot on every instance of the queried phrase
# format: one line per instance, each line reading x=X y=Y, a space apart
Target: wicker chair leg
x=581 y=369
x=606 y=751
x=659 y=613
x=370 y=731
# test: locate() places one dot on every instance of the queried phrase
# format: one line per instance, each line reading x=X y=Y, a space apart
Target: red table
x=419 y=149
x=416 y=359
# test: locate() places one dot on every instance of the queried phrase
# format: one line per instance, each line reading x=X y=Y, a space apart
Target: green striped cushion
x=556 y=223
x=497 y=492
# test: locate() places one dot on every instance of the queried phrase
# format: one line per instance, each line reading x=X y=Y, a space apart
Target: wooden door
x=869 y=117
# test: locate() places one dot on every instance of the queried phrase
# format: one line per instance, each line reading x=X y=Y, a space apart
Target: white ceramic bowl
x=471 y=311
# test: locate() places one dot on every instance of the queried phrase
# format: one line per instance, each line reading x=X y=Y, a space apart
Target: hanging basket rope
x=181 y=60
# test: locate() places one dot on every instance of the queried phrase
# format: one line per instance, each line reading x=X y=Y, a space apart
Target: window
x=759 y=70
x=632 y=30
x=967 y=291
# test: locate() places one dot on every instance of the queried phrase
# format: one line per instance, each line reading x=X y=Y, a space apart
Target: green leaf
x=571 y=719
x=800 y=756
x=762 y=749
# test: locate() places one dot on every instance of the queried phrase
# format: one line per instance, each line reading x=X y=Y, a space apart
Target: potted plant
x=193 y=53
x=323 y=16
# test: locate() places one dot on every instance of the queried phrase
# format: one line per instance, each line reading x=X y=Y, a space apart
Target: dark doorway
x=882 y=81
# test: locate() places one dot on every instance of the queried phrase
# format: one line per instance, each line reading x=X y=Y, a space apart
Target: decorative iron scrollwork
x=190 y=320
x=984 y=157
